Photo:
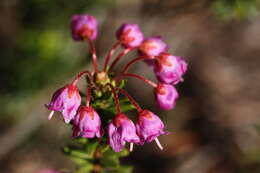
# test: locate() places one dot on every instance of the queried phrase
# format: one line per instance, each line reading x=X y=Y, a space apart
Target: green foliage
x=42 y=49
x=227 y=9
x=90 y=153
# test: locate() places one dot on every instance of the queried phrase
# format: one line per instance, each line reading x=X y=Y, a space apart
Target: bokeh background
x=215 y=125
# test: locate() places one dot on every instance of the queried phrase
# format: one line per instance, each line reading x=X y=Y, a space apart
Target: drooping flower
x=121 y=130
x=169 y=68
x=130 y=35
x=166 y=96
x=65 y=100
x=152 y=46
x=87 y=123
x=84 y=26
x=149 y=127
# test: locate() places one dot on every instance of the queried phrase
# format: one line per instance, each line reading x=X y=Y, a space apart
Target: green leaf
x=125 y=106
x=87 y=168
x=80 y=154
x=125 y=169
x=123 y=153
x=122 y=84
x=110 y=159
x=82 y=140
x=90 y=148
x=79 y=161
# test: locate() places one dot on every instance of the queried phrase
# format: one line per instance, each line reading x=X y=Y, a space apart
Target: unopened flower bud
x=130 y=35
x=102 y=78
x=153 y=46
x=169 y=68
x=83 y=27
x=166 y=96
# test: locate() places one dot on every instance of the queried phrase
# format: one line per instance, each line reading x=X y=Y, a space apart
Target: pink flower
x=169 y=68
x=121 y=130
x=149 y=127
x=87 y=123
x=84 y=26
x=153 y=46
x=65 y=100
x=166 y=96
x=130 y=35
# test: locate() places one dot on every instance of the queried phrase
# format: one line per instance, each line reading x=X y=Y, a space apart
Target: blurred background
x=215 y=125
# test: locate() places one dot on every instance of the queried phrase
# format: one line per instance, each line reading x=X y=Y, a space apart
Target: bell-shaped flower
x=153 y=46
x=65 y=100
x=149 y=127
x=87 y=123
x=169 y=68
x=130 y=35
x=166 y=96
x=83 y=27
x=121 y=130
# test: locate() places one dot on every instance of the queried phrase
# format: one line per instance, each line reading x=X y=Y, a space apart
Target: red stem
x=88 y=97
x=109 y=55
x=123 y=53
x=115 y=98
x=131 y=99
x=126 y=67
x=94 y=55
x=75 y=81
x=141 y=78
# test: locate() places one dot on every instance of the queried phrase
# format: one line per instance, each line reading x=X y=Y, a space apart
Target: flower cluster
x=88 y=122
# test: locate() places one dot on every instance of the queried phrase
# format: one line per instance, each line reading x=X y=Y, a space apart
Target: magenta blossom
x=65 y=100
x=121 y=130
x=166 y=96
x=169 y=68
x=87 y=123
x=153 y=46
x=130 y=35
x=84 y=26
x=149 y=127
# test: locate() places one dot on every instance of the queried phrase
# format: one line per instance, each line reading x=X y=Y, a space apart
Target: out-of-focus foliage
x=228 y=9
x=42 y=48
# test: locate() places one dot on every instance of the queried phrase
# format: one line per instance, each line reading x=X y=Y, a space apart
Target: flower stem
x=123 y=53
x=75 y=81
x=88 y=97
x=126 y=67
x=141 y=78
x=94 y=54
x=118 y=111
x=109 y=55
x=131 y=99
